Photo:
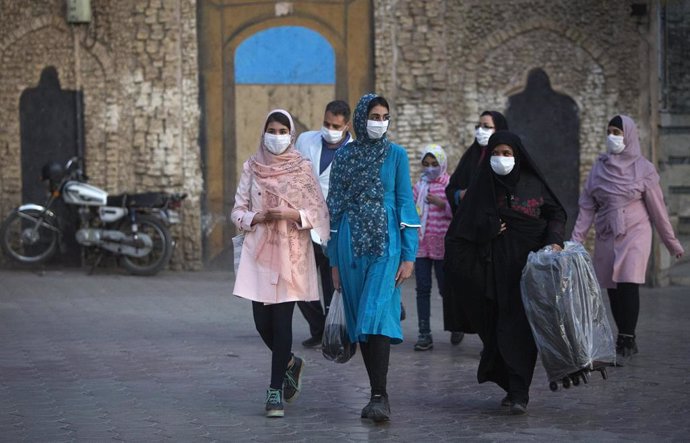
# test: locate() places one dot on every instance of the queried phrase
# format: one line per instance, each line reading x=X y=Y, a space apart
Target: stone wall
x=674 y=125
x=440 y=63
x=443 y=62
x=136 y=63
x=677 y=39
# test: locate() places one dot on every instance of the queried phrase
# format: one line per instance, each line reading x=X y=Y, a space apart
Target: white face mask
x=614 y=144
x=276 y=143
x=376 y=129
x=331 y=136
x=432 y=172
x=482 y=135
x=502 y=165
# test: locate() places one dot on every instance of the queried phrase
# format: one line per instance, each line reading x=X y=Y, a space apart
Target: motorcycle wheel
x=24 y=244
x=159 y=256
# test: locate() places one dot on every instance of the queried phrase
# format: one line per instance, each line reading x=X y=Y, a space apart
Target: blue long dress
x=371 y=299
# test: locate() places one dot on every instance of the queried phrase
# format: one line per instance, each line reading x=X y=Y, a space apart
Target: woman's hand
x=556 y=248
x=259 y=217
x=436 y=200
x=336 y=278
x=283 y=213
x=404 y=272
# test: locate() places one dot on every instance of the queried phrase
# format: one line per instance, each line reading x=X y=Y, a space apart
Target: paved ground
x=176 y=358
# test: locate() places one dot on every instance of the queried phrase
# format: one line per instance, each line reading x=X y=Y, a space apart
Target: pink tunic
x=431 y=243
x=624 y=228
x=254 y=281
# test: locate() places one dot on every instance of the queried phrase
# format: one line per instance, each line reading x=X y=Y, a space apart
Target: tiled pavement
x=176 y=358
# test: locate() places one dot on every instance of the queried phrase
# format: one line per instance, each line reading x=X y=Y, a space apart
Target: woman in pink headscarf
x=277 y=202
x=623 y=198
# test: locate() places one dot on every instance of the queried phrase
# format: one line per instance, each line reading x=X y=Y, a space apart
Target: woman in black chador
x=508 y=211
x=489 y=122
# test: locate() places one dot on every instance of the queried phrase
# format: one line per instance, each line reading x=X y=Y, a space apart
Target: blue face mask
x=432 y=172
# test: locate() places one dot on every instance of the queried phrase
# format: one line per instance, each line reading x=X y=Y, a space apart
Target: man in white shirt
x=320 y=147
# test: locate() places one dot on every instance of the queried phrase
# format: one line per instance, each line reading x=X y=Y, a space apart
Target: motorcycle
x=134 y=227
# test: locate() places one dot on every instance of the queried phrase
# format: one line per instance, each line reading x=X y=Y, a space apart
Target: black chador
x=470 y=161
x=483 y=266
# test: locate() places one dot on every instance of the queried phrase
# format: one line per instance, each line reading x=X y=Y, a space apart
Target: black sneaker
x=625 y=349
x=292 y=384
x=378 y=409
x=312 y=342
x=274 y=404
x=626 y=346
x=424 y=343
x=456 y=337
x=366 y=410
x=518 y=408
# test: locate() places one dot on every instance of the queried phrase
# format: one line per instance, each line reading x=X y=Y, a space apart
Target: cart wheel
x=566 y=382
x=585 y=377
x=553 y=386
x=576 y=379
x=604 y=374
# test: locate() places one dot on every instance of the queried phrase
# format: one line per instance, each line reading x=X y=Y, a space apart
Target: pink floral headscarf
x=287 y=180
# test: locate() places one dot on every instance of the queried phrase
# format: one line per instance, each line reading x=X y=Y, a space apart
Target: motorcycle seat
x=143 y=199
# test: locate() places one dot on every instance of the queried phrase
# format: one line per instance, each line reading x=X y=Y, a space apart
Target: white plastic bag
x=566 y=311
x=336 y=345
x=237 y=242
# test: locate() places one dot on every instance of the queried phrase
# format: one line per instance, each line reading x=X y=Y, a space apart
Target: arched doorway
x=235 y=96
x=548 y=123
x=289 y=67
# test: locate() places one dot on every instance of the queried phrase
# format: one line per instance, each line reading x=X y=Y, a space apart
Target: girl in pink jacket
x=277 y=202
x=435 y=215
x=622 y=197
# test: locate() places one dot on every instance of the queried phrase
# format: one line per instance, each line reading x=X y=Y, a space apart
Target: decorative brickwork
x=443 y=62
x=137 y=65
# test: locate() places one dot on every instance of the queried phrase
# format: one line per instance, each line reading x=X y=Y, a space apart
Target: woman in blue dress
x=373 y=241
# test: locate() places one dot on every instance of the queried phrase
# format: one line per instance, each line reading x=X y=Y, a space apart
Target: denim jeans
x=423 y=268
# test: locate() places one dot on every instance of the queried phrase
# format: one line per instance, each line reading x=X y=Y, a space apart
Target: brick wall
x=443 y=62
x=137 y=65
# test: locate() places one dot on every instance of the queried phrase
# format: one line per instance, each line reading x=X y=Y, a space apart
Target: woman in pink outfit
x=622 y=197
x=277 y=202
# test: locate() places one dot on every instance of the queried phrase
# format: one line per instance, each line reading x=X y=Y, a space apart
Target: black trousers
x=312 y=310
x=274 y=323
x=376 y=355
x=625 y=306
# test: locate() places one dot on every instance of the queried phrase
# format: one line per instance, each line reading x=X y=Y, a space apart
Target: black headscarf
x=477 y=219
x=469 y=162
x=617 y=122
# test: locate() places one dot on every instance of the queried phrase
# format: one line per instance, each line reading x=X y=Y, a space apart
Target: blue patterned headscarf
x=356 y=188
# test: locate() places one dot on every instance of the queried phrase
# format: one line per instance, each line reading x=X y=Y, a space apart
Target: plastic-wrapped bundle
x=336 y=344
x=566 y=311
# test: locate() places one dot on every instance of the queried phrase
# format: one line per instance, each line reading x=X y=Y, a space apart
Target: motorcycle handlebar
x=78 y=172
